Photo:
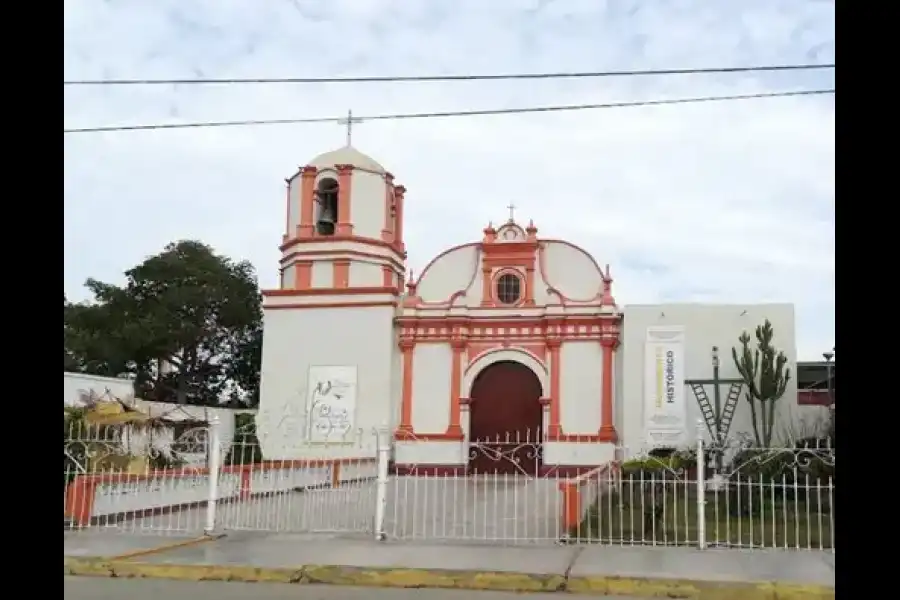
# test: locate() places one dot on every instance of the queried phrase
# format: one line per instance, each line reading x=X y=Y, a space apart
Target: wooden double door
x=505 y=420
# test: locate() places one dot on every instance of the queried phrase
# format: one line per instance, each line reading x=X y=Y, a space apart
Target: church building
x=507 y=352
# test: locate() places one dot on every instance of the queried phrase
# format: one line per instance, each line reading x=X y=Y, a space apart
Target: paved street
x=89 y=588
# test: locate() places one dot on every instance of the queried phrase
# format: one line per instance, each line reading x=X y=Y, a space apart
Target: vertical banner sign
x=665 y=406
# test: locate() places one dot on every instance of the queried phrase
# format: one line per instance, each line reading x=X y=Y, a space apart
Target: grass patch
x=744 y=515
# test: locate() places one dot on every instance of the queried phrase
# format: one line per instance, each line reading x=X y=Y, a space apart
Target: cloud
x=729 y=201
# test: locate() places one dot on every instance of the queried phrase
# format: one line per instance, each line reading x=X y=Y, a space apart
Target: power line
x=425 y=78
x=464 y=113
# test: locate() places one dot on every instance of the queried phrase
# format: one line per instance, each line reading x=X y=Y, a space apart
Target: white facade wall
x=570 y=270
x=580 y=387
x=431 y=388
x=578 y=453
x=366 y=274
x=322 y=274
x=293 y=205
x=431 y=452
x=296 y=339
x=451 y=272
x=367 y=201
x=705 y=326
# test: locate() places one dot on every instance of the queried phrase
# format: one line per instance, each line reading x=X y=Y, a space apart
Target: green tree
x=186 y=323
x=766 y=375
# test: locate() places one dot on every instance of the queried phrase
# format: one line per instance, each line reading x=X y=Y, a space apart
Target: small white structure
x=513 y=337
x=185 y=433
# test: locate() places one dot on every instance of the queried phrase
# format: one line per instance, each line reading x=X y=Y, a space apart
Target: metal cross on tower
x=349 y=121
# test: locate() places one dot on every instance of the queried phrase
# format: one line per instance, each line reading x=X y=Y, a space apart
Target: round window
x=509 y=288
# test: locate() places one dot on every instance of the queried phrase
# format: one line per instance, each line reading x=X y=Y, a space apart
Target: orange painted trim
x=487 y=296
x=541 y=322
x=523 y=288
x=345 y=184
x=357 y=291
x=458 y=347
x=307 y=228
x=406 y=347
x=340 y=274
x=510 y=330
x=554 y=428
x=330 y=239
x=499 y=257
x=475 y=350
x=303 y=275
x=572 y=504
x=300 y=305
x=577 y=438
x=81 y=491
x=529 y=286
x=408 y=435
x=329 y=254
x=607 y=425
x=388 y=277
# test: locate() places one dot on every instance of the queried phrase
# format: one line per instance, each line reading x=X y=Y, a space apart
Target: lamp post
x=717 y=394
x=829 y=356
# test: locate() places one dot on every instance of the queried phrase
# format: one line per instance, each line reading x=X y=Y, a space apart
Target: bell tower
x=342 y=272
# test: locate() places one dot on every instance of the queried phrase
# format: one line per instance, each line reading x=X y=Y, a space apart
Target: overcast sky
x=724 y=202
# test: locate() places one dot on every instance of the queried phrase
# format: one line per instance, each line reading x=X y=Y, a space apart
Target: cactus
x=766 y=376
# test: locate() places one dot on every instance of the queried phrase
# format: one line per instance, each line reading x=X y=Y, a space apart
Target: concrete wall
x=77 y=385
x=705 y=326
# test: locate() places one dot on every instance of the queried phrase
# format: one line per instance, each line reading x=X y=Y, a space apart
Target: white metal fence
x=758 y=498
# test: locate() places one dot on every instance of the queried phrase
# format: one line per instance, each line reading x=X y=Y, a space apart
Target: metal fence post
x=214 y=462
x=383 y=449
x=701 y=488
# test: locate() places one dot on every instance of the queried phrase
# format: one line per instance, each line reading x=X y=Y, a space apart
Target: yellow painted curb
x=165 y=547
x=695 y=589
x=468 y=580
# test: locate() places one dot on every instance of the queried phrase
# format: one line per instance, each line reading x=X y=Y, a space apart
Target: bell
x=325 y=223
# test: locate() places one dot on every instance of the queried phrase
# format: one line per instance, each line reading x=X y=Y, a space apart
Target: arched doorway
x=505 y=420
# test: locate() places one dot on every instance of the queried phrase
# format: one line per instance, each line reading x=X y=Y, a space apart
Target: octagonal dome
x=348 y=155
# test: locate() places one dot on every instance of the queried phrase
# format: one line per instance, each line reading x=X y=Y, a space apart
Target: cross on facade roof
x=512 y=212
x=349 y=121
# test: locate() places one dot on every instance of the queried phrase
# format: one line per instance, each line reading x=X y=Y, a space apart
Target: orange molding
x=301 y=305
x=354 y=291
x=408 y=435
x=397 y=246
x=307 y=228
x=345 y=203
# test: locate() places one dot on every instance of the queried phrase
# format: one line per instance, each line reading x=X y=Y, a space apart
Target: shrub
x=245 y=448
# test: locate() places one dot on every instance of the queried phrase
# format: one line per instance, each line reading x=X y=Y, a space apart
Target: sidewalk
x=597 y=570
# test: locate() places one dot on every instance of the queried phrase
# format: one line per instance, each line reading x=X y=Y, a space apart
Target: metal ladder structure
x=729 y=407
